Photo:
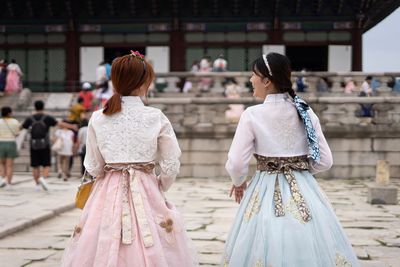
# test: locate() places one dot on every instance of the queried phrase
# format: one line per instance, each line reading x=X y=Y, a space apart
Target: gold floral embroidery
x=259 y=263
x=167 y=225
x=291 y=208
x=279 y=211
x=286 y=166
x=226 y=261
x=341 y=261
x=130 y=186
x=253 y=206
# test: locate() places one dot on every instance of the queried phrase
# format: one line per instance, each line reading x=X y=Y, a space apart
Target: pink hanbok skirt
x=128 y=222
x=13 y=84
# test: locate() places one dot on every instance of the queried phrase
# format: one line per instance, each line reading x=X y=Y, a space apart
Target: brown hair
x=128 y=74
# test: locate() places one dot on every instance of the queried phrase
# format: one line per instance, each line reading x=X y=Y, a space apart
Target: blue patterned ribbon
x=312 y=138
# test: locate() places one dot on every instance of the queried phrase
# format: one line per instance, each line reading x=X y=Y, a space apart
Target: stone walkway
x=374 y=231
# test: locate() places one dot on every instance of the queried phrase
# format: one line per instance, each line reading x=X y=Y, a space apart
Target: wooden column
x=177 y=48
x=72 y=59
x=276 y=34
x=357 y=50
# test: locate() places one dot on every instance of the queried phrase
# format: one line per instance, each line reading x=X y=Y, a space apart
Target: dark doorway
x=112 y=52
x=311 y=58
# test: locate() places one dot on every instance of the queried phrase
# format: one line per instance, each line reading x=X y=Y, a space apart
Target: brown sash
x=286 y=166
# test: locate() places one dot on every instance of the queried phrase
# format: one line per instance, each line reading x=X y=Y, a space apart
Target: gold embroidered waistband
x=130 y=187
x=286 y=166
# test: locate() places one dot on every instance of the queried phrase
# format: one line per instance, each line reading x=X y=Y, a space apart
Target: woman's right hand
x=239 y=192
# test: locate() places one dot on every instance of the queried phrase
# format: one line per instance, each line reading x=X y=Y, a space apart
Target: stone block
x=382 y=172
x=185 y=171
x=341 y=144
x=59 y=101
x=190 y=120
x=340 y=158
x=175 y=109
x=211 y=145
x=393 y=158
x=184 y=144
x=185 y=157
x=24 y=98
x=203 y=128
x=395 y=172
x=347 y=172
x=382 y=194
x=357 y=158
x=204 y=171
x=209 y=158
x=219 y=119
x=175 y=118
x=221 y=130
x=386 y=144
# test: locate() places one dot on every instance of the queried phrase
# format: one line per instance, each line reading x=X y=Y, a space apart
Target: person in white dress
x=284 y=218
x=65 y=151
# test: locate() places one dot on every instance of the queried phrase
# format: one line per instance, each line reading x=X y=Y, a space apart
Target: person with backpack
x=40 y=153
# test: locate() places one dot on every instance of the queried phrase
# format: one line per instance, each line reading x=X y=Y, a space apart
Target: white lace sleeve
x=94 y=162
x=169 y=153
x=241 y=150
x=326 y=160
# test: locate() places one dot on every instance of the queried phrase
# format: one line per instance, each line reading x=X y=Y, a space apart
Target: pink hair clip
x=137 y=54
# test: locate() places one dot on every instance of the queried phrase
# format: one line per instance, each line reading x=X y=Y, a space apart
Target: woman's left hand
x=239 y=192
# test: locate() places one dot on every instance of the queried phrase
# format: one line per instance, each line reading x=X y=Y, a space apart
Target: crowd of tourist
x=65 y=143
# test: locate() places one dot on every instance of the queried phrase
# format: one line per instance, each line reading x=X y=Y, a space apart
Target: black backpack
x=39 y=133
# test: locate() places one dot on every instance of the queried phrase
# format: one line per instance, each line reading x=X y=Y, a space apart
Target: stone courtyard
x=35 y=226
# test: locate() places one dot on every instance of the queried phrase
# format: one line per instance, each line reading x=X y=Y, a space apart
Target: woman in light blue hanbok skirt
x=284 y=218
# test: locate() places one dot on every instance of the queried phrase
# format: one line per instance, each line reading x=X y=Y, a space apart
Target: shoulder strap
x=8 y=126
x=41 y=118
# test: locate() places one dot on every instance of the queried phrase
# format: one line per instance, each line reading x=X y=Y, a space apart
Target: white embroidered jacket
x=273 y=129
x=136 y=134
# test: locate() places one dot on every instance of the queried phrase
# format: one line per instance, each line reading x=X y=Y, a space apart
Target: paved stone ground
x=374 y=230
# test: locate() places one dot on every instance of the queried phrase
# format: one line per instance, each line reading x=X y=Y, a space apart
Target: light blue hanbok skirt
x=260 y=238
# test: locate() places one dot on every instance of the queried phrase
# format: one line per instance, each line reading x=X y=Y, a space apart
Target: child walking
x=127 y=220
x=284 y=218
x=65 y=151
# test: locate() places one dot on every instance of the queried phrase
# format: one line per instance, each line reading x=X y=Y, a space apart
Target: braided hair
x=276 y=67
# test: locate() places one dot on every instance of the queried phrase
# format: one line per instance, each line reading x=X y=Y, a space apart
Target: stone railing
x=205 y=133
x=357 y=142
x=334 y=82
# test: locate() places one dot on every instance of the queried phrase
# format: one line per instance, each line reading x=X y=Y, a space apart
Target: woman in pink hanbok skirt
x=127 y=220
x=13 y=80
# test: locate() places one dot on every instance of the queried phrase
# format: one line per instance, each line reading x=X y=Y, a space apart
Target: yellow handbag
x=84 y=190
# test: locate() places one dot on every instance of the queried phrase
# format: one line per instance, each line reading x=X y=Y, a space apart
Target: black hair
x=84 y=123
x=279 y=68
x=5 y=111
x=103 y=86
x=39 y=105
x=80 y=99
x=369 y=78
